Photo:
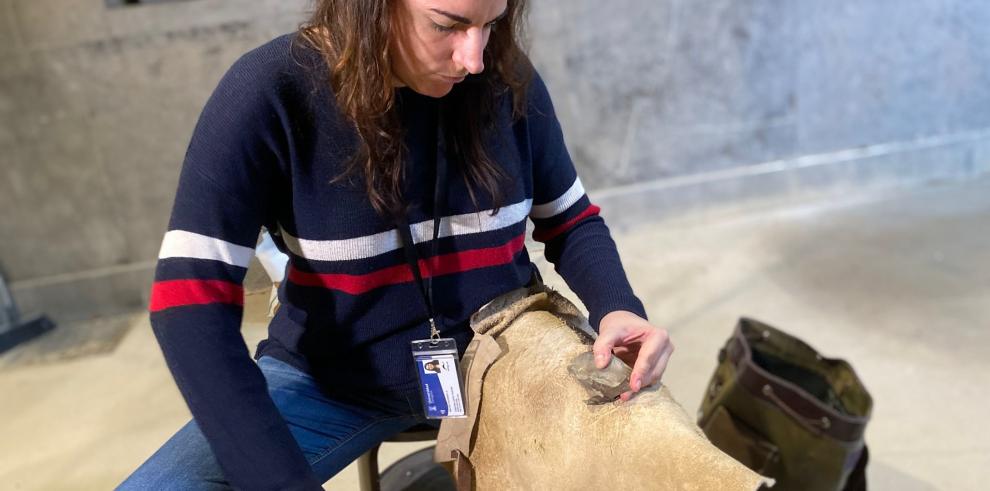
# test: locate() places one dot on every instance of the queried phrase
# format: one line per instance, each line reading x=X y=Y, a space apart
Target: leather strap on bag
x=805 y=409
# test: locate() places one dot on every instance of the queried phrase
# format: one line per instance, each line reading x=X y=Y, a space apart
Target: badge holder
x=439 y=374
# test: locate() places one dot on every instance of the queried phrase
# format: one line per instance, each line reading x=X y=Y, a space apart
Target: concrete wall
x=667 y=105
x=684 y=103
x=96 y=109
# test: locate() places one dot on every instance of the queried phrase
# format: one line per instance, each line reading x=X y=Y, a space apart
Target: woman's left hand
x=635 y=341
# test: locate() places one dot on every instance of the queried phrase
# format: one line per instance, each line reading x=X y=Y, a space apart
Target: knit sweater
x=265 y=152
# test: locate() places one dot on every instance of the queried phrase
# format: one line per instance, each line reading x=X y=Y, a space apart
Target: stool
x=368 y=463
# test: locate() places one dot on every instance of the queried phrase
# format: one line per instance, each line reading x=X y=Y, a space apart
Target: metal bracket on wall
x=13 y=329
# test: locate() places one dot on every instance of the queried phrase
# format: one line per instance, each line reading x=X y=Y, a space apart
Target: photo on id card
x=440 y=385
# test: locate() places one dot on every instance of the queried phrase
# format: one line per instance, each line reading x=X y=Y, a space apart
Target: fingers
x=603 y=347
x=644 y=370
x=661 y=365
x=627 y=355
x=655 y=374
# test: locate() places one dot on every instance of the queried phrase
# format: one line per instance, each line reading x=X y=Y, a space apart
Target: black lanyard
x=405 y=232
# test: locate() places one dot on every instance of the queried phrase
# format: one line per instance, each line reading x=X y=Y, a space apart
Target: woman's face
x=436 y=43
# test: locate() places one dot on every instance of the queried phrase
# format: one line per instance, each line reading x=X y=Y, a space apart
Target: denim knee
x=184 y=462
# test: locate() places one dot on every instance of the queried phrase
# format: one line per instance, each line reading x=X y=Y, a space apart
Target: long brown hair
x=353 y=37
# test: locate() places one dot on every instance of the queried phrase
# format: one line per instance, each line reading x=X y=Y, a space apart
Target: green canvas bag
x=783 y=410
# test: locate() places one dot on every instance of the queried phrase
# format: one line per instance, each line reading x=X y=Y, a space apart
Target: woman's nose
x=470 y=54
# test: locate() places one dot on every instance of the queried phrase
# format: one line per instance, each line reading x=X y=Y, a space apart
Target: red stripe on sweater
x=443 y=264
x=546 y=235
x=177 y=293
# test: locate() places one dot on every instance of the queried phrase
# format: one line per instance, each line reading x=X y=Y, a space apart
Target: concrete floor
x=898 y=284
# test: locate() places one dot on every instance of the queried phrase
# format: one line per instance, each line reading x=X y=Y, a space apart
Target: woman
x=332 y=138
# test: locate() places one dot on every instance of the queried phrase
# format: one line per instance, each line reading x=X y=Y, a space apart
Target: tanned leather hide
x=531 y=423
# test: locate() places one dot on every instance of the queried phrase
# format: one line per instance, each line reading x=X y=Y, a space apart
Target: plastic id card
x=439 y=378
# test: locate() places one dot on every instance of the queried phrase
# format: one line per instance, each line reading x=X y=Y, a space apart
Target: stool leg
x=368 y=470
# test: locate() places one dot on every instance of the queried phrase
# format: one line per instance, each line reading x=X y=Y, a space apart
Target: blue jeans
x=332 y=432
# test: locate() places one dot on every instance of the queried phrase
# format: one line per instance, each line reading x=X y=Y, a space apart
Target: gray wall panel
x=667 y=105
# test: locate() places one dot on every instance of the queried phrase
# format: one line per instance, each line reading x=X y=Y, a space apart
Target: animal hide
x=531 y=424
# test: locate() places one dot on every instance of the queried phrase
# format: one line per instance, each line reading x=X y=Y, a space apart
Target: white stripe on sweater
x=383 y=242
x=560 y=204
x=180 y=243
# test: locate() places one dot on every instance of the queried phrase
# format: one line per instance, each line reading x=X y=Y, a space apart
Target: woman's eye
x=442 y=28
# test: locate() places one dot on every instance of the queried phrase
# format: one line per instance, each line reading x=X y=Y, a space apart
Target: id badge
x=439 y=378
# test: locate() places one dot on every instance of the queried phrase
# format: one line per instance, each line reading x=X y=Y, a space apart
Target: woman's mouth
x=452 y=80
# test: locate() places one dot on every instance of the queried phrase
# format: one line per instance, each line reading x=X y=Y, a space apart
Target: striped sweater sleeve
x=576 y=239
x=197 y=297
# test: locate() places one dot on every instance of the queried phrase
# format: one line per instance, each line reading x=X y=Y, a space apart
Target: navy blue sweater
x=264 y=153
